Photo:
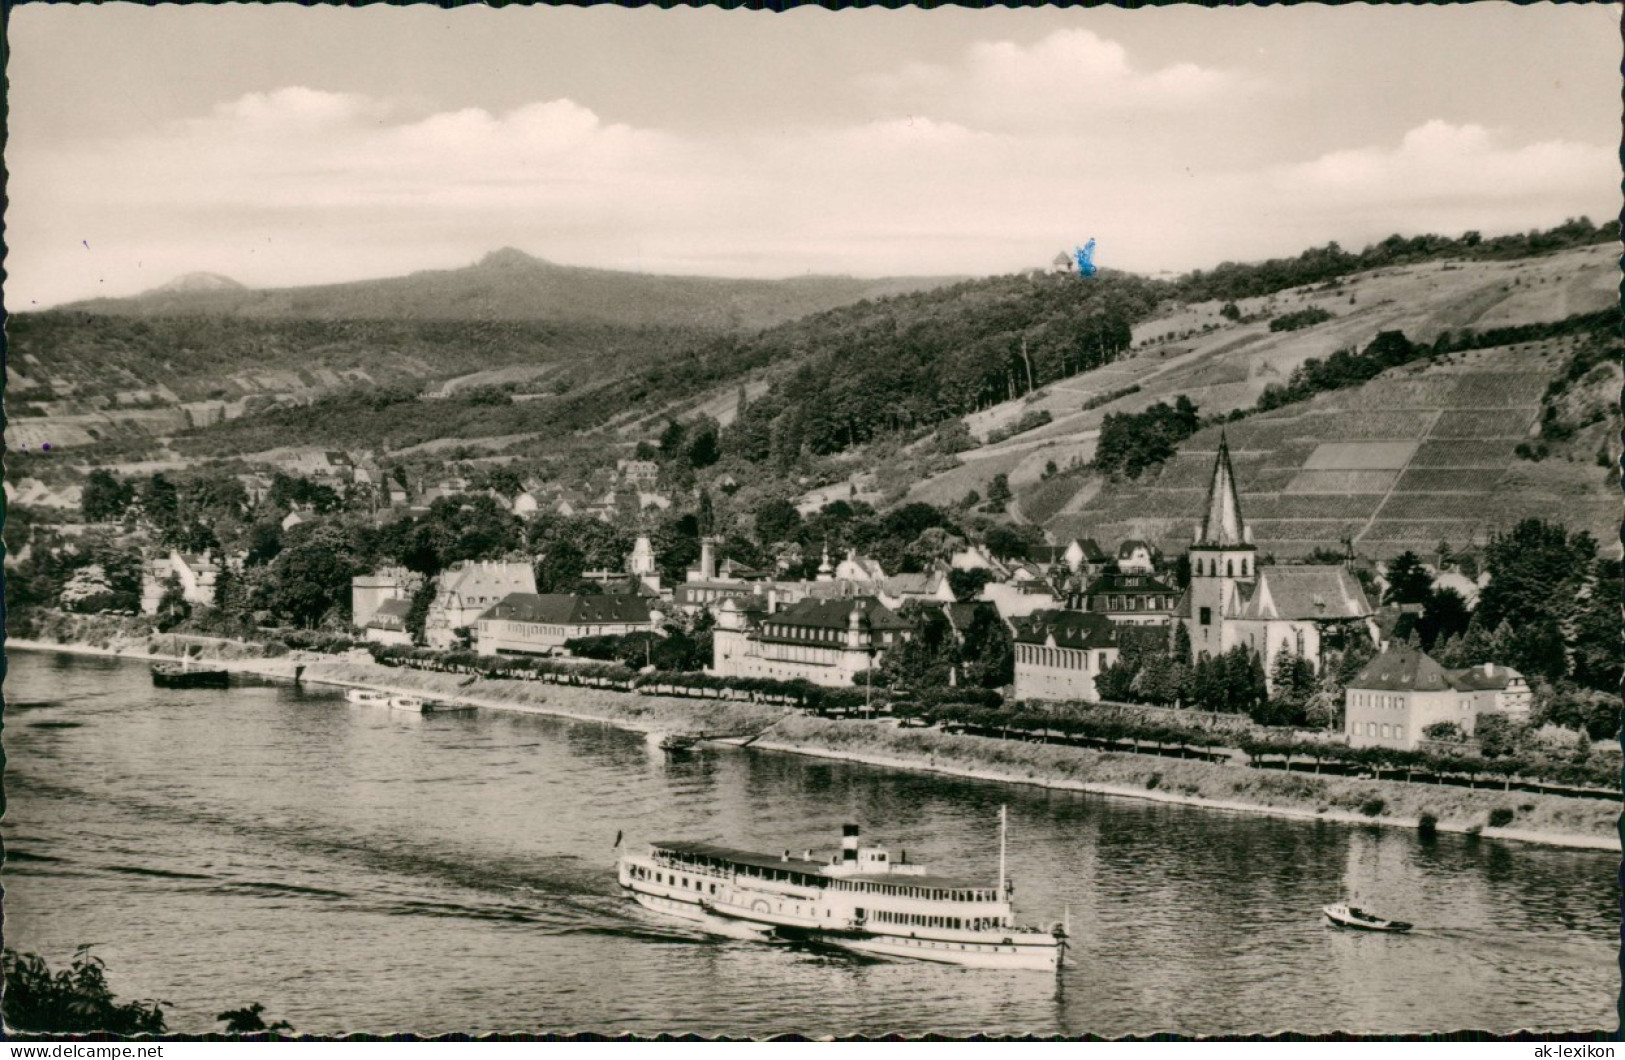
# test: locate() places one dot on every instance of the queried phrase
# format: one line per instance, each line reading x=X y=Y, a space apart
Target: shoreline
x=1190 y=783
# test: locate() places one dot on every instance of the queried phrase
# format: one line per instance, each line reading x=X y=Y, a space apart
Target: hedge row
x=501 y=666
x=1597 y=772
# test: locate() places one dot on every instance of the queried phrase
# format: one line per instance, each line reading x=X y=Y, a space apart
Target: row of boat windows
x=952 y=923
x=671 y=879
x=933 y=894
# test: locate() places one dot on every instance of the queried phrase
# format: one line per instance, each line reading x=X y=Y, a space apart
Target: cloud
x=1069 y=78
x=302 y=186
x=1457 y=170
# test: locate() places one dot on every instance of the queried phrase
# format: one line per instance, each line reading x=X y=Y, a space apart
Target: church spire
x=1222 y=525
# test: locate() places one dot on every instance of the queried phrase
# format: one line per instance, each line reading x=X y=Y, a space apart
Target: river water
x=362 y=870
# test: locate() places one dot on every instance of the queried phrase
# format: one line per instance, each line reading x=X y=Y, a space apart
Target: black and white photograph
x=1069 y=522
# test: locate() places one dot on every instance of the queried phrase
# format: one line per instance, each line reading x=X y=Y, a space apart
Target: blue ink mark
x=1086 y=259
x=46 y=447
x=86 y=243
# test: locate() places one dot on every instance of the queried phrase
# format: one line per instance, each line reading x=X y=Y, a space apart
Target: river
x=357 y=869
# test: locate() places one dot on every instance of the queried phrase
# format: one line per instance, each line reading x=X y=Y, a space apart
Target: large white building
x=1232 y=600
x=1060 y=654
x=827 y=642
x=532 y=624
x=1401 y=692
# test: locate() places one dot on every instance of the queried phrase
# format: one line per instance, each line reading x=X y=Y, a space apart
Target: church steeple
x=1222 y=525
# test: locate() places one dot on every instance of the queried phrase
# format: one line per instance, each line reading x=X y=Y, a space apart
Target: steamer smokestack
x=849 y=842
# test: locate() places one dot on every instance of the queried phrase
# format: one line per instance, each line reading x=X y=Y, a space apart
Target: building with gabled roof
x=1233 y=601
x=467 y=591
x=540 y=624
x=1400 y=693
x=825 y=641
x=387 y=623
x=1138 y=557
x=1060 y=654
x=1131 y=599
x=931 y=586
x=196 y=574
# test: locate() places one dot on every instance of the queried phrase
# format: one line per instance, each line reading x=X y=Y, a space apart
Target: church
x=1271 y=609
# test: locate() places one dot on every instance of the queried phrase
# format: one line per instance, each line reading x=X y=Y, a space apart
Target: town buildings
x=1400 y=693
x=1131 y=599
x=826 y=642
x=526 y=623
x=1060 y=654
x=387 y=624
x=196 y=574
x=467 y=591
x=368 y=592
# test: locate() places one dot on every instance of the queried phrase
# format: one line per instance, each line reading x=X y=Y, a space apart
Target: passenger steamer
x=860 y=901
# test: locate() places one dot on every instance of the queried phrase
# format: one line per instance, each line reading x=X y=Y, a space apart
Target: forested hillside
x=510 y=285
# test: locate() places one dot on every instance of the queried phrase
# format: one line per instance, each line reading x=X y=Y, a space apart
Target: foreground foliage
x=73 y=1000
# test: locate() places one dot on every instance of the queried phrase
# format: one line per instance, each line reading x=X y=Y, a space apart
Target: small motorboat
x=411 y=704
x=184 y=676
x=367 y=696
x=677 y=742
x=1344 y=915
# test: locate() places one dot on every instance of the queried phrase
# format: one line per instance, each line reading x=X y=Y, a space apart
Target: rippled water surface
x=357 y=869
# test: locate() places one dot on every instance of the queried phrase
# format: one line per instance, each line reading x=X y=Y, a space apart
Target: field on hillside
x=1422 y=454
x=1451 y=423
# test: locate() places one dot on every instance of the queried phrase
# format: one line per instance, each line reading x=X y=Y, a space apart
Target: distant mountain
x=510 y=285
x=197 y=281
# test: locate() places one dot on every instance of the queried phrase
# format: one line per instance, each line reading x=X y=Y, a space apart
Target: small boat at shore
x=412 y=704
x=169 y=675
x=675 y=742
x=860 y=901
x=1344 y=915
x=367 y=696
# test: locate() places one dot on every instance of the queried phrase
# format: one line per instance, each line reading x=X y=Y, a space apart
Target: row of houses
x=1067 y=607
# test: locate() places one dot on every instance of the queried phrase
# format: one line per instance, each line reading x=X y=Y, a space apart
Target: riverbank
x=1547 y=819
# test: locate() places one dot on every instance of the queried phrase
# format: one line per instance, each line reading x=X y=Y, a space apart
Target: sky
x=283 y=145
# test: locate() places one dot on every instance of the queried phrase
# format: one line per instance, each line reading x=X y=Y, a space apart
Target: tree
x=248 y=1020
x=88 y=591
x=1230 y=311
x=106 y=497
x=1496 y=735
x=1536 y=572
x=988 y=653
x=160 y=501
x=173 y=607
x=1444 y=614
x=1408 y=581
x=777 y=520
x=998 y=491
x=1293 y=681
x=1444 y=730
x=417 y=613
x=967 y=584
x=72 y=1001
x=311 y=577
x=704 y=447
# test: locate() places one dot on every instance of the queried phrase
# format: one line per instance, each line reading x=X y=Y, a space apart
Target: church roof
x=1303 y=593
x=1222 y=524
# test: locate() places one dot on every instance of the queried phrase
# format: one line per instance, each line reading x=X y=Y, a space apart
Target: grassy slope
x=1538 y=817
x=1229 y=367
